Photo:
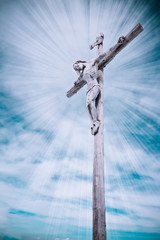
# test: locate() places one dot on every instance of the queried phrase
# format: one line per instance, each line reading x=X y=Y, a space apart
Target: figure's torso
x=90 y=74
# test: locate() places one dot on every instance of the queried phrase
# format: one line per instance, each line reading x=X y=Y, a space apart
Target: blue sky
x=46 y=149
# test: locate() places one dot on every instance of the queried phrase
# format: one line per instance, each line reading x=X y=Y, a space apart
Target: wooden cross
x=99 y=212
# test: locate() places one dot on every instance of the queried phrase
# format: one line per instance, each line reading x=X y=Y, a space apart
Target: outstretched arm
x=79 y=78
x=108 y=56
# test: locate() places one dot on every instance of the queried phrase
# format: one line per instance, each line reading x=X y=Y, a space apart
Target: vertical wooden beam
x=99 y=212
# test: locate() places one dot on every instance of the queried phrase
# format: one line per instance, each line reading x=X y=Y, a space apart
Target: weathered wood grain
x=108 y=56
x=99 y=212
x=76 y=88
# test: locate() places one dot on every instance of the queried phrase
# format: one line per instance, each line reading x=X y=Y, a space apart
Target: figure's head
x=78 y=65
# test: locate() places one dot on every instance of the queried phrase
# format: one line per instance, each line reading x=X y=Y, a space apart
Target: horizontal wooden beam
x=76 y=88
x=108 y=56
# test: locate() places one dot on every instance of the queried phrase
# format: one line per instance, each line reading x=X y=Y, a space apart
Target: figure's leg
x=93 y=115
x=91 y=96
x=92 y=111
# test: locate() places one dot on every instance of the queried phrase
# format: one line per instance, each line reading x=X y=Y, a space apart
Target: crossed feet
x=95 y=127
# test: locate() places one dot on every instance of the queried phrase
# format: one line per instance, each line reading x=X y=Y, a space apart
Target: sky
x=46 y=148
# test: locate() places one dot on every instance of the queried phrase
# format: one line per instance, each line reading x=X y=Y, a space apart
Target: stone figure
x=89 y=72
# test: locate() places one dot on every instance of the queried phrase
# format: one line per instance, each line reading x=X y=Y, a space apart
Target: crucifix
x=91 y=73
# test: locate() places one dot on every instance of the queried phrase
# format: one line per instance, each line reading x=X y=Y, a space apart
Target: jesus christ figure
x=89 y=72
